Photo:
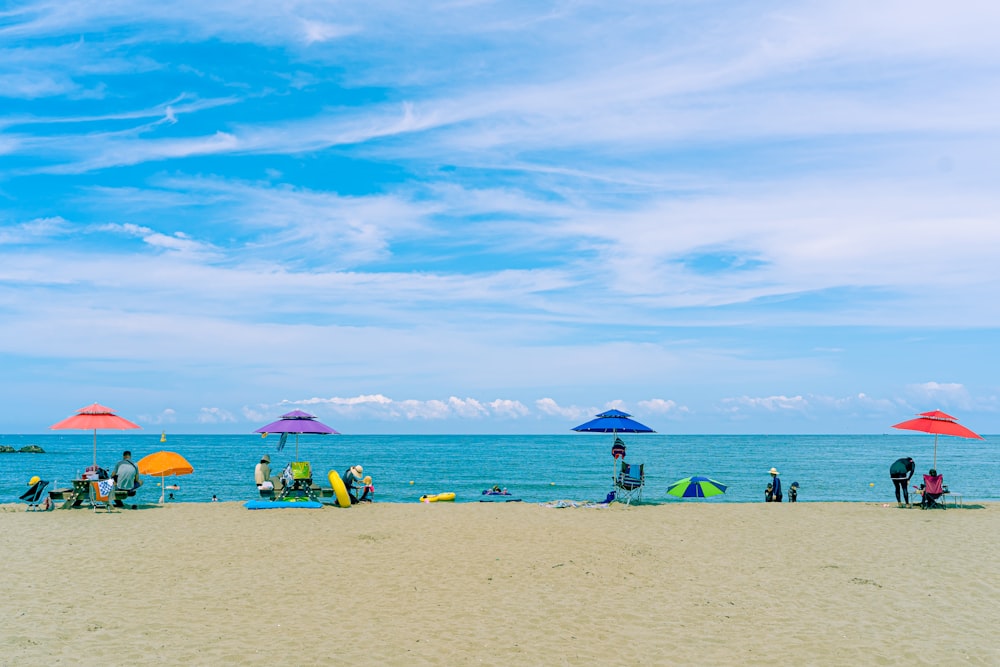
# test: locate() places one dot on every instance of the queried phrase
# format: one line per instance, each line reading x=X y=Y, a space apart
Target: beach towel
x=105 y=487
x=559 y=504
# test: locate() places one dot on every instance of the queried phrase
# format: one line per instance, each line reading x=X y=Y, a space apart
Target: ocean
x=536 y=469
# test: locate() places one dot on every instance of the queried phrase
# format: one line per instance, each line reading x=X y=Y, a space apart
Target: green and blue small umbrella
x=696 y=487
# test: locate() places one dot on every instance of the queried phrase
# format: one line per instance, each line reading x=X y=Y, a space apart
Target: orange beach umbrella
x=163 y=464
x=937 y=422
x=93 y=417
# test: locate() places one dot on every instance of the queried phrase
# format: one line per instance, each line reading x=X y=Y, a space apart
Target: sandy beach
x=502 y=584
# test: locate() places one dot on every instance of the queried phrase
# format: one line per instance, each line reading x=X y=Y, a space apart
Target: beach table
x=60 y=494
x=74 y=497
x=80 y=493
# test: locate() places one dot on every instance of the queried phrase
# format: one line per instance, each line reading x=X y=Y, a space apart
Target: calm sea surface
x=534 y=468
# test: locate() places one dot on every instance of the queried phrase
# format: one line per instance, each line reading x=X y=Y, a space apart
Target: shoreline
x=498 y=583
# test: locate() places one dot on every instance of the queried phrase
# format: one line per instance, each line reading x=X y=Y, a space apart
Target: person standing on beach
x=775 y=486
x=900 y=473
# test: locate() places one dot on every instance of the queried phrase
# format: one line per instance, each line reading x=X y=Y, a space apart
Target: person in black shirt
x=900 y=473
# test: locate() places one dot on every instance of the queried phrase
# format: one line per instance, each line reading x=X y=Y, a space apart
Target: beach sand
x=502 y=584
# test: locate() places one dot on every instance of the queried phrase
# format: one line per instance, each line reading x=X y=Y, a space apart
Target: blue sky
x=500 y=217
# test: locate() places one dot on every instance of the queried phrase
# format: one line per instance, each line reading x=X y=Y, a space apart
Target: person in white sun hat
x=775 y=486
x=352 y=478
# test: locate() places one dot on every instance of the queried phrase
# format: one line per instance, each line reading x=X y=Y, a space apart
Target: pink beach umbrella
x=93 y=417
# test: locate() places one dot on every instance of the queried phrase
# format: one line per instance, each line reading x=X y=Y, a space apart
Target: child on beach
x=769 y=494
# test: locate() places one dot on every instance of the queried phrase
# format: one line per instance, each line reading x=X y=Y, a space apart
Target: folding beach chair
x=629 y=483
x=36 y=496
x=102 y=495
x=933 y=490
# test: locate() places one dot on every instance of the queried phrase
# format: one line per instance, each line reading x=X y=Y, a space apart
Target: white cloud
x=509 y=409
x=34 y=231
x=379 y=406
x=768 y=403
x=177 y=242
x=166 y=416
x=944 y=394
x=215 y=416
x=661 y=406
x=549 y=407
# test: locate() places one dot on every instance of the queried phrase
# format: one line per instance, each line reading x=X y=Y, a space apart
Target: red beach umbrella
x=938 y=423
x=93 y=417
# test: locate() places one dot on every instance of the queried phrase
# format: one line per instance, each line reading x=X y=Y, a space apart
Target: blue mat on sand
x=280 y=504
x=497 y=498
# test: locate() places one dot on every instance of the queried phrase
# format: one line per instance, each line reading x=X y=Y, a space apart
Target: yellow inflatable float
x=437 y=497
x=339 y=490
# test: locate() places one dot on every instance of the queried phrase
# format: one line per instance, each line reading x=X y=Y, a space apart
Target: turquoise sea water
x=534 y=468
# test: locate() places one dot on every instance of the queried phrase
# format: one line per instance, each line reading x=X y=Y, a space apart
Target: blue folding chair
x=35 y=495
x=629 y=483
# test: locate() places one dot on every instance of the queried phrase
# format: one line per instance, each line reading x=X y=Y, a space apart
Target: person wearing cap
x=775 y=486
x=126 y=476
x=262 y=471
x=351 y=477
x=126 y=473
x=900 y=473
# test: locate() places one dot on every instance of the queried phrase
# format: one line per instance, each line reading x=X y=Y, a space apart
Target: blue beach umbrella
x=696 y=487
x=615 y=422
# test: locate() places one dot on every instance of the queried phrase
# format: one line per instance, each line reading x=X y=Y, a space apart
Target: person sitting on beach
x=262 y=472
x=769 y=494
x=933 y=488
x=126 y=475
x=351 y=477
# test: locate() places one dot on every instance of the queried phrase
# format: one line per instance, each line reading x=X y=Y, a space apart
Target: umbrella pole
x=163 y=490
x=95 y=447
x=935 y=451
x=617 y=467
x=297 y=447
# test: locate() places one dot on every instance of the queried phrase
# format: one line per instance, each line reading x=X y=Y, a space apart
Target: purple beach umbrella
x=296 y=422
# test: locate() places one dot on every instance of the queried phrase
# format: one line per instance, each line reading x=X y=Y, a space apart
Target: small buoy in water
x=871 y=484
x=552 y=483
x=411 y=481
